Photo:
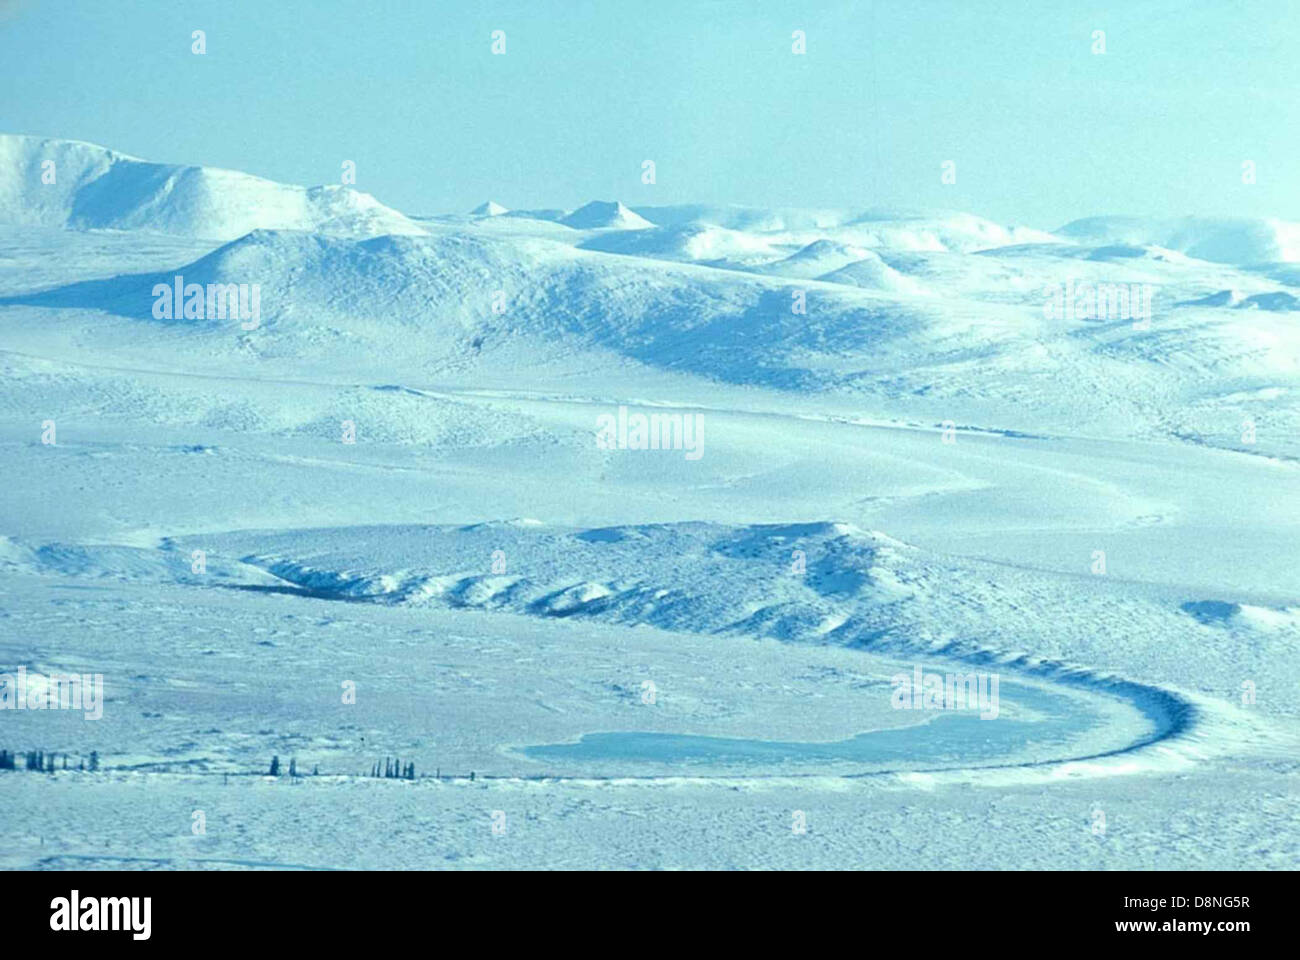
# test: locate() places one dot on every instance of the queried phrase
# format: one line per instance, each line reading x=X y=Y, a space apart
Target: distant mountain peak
x=605 y=214
x=489 y=208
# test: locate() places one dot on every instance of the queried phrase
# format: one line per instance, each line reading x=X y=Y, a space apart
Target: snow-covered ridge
x=77 y=185
x=811 y=582
x=890 y=303
x=96 y=188
x=1239 y=240
x=803 y=582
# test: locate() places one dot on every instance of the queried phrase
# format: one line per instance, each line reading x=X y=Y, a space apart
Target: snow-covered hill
x=690 y=243
x=96 y=188
x=1237 y=240
x=940 y=312
x=605 y=215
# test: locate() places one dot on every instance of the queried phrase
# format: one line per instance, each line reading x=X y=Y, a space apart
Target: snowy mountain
x=605 y=215
x=66 y=183
x=1236 y=240
x=931 y=309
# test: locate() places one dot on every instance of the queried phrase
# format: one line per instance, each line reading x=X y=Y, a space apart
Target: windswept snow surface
x=382 y=518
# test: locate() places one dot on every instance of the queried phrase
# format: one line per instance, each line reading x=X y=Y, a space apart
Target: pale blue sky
x=1042 y=131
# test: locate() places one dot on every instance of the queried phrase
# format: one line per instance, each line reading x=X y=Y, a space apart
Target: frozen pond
x=1033 y=724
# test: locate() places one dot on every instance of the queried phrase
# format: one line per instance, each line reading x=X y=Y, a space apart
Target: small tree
x=293 y=766
x=94 y=761
x=275 y=766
